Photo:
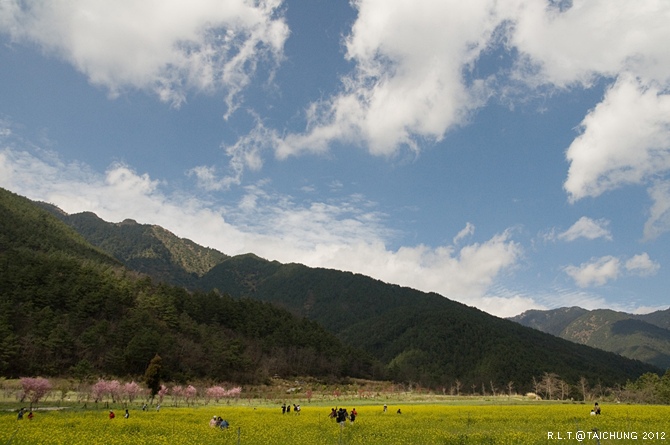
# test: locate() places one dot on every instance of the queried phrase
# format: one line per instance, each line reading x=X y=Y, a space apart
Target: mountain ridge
x=643 y=337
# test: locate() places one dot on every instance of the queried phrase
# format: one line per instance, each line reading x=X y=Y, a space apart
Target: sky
x=506 y=154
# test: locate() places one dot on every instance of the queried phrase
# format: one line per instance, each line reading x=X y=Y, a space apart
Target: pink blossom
x=35 y=388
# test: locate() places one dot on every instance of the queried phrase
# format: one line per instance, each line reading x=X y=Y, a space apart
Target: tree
x=35 y=388
x=152 y=376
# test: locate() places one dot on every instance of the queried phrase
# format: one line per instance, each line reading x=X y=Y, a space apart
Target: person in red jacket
x=111 y=414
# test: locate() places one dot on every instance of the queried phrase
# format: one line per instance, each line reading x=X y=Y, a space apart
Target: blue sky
x=509 y=154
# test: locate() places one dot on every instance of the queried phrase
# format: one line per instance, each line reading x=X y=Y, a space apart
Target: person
x=126 y=415
x=352 y=415
x=385 y=407
x=224 y=424
x=596 y=409
x=288 y=409
x=30 y=415
x=283 y=408
x=296 y=409
x=399 y=412
x=111 y=414
x=212 y=423
x=342 y=416
x=332 y=414
x=144 y=407
x=21 y=412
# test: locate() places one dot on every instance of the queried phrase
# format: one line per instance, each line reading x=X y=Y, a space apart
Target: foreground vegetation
x=492 y=423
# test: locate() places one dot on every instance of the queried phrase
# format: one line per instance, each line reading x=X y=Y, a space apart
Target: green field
x=539 y=423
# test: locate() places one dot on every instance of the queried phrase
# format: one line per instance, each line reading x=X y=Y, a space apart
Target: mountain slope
x=641 y=337
x=421 y=337
x=148 y=249
x=68 y=309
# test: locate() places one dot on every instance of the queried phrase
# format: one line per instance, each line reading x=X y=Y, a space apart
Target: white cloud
x=599 y=271
x=642 y=265
x=166 y=46
x=586 y=228
x=591 y=39
x=408 y=83
x=468 y=230
x=659 y=214
x=625 y=140
x=345 y=234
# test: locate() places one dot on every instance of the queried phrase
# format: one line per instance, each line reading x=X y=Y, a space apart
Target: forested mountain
x=642 y=337
x=422 y=337
x=67 y=308
x=419 y=337
x=145 y=248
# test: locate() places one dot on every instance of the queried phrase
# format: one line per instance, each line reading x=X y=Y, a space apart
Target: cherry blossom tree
x=190 y=394
x=131 y=391
x=99 y=390
x=115 y=390
x=162 y=392
x=216 y=393
x=35 y=388
x=177 y=393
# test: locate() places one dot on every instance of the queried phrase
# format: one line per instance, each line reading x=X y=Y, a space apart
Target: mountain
x=422 y=337
x=642 y=337
x=148 y=249
x=419 y=337
x=69 y=309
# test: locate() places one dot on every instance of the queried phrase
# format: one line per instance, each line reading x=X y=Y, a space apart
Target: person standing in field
x=30 y=415
x=352 y=415
x=21 y=412
x=111 y=414
x=126 y=415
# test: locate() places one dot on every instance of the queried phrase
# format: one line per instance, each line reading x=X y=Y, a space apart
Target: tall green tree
x=152 y=376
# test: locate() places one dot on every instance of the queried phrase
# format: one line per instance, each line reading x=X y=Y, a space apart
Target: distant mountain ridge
x=420 y=337
x=148 y=249
x=644 y=337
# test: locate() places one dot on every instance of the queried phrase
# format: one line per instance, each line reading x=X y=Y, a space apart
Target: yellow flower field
x=418 y=424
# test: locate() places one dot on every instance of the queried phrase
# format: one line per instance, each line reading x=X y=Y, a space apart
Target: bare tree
x=549 y=384
x=457 y=383
x=493 y=388
x=584 y=385
x=510 y=387
x=565 y=388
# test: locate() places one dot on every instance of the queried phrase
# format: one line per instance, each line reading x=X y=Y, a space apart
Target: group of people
x=22 y=411
x=341 y=415
x=286 y=409
x=218 y=422
x=112 y=415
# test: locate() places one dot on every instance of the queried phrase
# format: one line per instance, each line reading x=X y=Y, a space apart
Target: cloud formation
x=598 y=271
x=167 y=46
x=586 y=228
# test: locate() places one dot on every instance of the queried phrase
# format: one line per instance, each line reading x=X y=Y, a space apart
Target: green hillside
x=421 y=337
x=641 y=337
x=68 y=309
x=145 y=248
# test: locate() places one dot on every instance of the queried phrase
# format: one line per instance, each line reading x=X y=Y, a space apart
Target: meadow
x=539 y=423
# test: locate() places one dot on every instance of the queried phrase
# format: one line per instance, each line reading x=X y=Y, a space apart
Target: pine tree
x=152 y=376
